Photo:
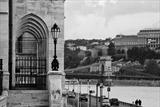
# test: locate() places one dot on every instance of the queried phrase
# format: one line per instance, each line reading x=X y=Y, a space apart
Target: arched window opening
x=31 y=53
x=26 y=45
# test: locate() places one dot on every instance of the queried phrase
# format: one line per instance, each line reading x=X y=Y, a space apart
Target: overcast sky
x=100 y=19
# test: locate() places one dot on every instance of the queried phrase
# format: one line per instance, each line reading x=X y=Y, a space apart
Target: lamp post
x=97 y=93
x=108 y=90
x=55 y=30
x=90 y=92
x=101 y=84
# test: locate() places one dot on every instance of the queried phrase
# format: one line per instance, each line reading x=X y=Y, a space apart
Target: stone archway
x=31 y=52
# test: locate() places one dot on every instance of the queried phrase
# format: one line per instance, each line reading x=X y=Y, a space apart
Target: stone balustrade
x=3 y=99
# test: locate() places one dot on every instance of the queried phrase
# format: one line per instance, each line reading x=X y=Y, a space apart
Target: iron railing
x=31 y=72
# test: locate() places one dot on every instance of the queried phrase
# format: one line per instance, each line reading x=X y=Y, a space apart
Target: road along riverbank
x=73 y=102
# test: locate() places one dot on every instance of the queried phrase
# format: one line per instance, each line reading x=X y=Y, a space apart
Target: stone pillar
x=55 y=87
x=5 y=80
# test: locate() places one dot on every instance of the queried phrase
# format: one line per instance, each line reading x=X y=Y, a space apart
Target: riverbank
x=148 y=83
x=73 y=102
x=148 y=95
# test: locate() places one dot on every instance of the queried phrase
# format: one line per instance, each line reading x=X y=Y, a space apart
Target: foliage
x=71 y=58
x=88 y=53
x=89 y=60
x=120 y=51
x=86 y=42
x=117 y=57
x=131 y=70
x=140 y=54
x=111 y=49
x=99 y=52
x=152 y=67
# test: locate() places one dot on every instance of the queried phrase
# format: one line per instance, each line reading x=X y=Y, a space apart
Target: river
x=150 y=96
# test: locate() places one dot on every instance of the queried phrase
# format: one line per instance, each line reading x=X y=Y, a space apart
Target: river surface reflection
x=150 y=96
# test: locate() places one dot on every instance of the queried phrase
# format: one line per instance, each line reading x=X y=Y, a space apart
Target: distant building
x=107 y=61
x=145 y=38
x=103 y=49
x=107 y=43
x=109 y=66
x=127 y=41
x=94 y=43
x=84 y=48
x=94 y=52
x=115 y=68
x=71 y=46
x=151 y=37
x=95 y=68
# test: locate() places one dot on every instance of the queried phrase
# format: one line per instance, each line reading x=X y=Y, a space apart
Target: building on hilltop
x=127 y=41
x=151 y=37
x=84 y=48
x=94 y=52
x=144 y=38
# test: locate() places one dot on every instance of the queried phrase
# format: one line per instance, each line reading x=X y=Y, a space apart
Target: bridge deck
x=99 y=76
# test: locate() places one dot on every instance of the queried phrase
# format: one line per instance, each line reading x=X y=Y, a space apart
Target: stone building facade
x=27 y=50
x=127 y=41
x=4 y=38
x=144 y=38
x=25 y=33
x=151 y=37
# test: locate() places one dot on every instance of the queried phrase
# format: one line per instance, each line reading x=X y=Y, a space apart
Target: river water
x=150 y=96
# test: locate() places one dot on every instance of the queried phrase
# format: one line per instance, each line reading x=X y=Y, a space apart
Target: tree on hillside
x=140 y=54
x=152 y=68
x=71 y=59
x=111 y=49
x=99 y=52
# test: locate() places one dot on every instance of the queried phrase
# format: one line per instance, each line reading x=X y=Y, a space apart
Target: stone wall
x=4 y=33
x=50 y=11
x=3 y=101
x=28 y=98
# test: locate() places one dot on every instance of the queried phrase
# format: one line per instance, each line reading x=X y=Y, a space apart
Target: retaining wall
x=3 y=99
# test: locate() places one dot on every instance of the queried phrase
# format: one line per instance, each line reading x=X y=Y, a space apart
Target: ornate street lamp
x=55 y=30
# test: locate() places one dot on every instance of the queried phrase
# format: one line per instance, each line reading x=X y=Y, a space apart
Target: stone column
x=55 y=88
x=5 y=80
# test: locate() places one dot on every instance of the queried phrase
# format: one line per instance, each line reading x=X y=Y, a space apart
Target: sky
x=101 y=19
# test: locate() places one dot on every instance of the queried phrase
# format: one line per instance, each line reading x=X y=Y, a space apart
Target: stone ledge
x=6 y=73
x=28 y=91
x=56 y=73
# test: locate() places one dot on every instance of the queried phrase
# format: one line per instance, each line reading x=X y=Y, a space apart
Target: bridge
x=84 y=72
